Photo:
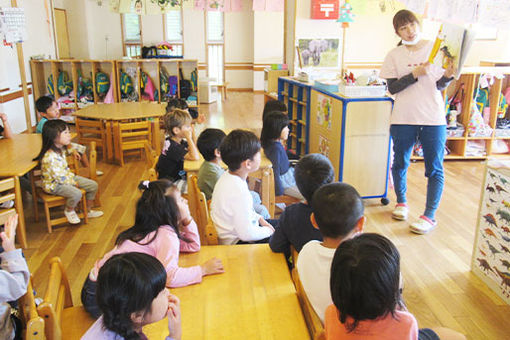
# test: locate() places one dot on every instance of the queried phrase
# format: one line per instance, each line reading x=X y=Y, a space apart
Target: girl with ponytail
x=163 y=228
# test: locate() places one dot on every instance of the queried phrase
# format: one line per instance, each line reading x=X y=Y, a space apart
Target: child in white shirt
x=232 y=204
x=338 y=214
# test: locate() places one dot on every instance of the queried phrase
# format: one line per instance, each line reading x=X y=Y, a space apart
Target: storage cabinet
x=155 y=69
x=459 y=146
x=296 y=96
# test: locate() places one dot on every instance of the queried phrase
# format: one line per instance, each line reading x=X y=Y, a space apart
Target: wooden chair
x=62 y=319
x=313 y=322
x=33 y=324
x=129 y=136
x=10 y=190
x=273 y=199
x=211 y=235
x=198 y=207
x=90 y=130
x=52 y=201
x=151 y=157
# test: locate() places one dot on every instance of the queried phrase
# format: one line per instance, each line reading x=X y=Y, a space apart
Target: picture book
x=452 y=45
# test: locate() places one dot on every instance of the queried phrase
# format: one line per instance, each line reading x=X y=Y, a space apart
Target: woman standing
x=418 y=112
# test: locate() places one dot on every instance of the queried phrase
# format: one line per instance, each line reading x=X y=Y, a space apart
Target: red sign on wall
x=325 y=9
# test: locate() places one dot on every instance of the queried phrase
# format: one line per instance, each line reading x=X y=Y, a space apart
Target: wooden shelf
x=302 y=122
x=479 y=138
x=455 y=138
x=293 y=122
x=294 y=100
x=502 y=137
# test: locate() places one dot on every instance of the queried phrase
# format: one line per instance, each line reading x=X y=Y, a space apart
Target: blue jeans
x=433 y=140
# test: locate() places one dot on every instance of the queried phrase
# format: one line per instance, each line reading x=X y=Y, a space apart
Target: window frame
x=214 y=43
x=126 y=44
x=174 y=42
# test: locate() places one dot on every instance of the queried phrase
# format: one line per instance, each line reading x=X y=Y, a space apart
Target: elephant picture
x=319 y=52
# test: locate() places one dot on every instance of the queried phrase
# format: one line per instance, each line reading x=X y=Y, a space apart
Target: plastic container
x=362 y=91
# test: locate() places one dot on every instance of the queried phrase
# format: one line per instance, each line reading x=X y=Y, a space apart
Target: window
x=172 y=23
x=215 y=45
x=131 y=34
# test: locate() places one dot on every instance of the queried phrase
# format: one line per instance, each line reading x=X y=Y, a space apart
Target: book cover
x=452 y=45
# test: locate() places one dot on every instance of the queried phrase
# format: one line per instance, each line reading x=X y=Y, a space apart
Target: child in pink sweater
x=163 y=228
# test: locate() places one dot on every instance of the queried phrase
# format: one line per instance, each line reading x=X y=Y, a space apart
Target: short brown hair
x=404 y=17
x=176 y=119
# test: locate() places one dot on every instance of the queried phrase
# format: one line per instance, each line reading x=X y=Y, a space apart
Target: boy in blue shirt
x=295 y=228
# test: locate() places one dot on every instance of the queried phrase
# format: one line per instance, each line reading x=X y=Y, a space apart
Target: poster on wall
x=491 y=255
x=323 y=146
x=320 y=53
x=324 y=111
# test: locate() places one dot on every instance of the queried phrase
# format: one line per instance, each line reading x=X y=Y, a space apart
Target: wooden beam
x=23 y=76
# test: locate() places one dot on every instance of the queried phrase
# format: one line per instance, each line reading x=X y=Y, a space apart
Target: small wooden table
x=254 y=299
x=113 y=113
x=16 y=156
x=263 y=173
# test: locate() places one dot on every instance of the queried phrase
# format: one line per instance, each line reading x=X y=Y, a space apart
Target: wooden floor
x=440 y=289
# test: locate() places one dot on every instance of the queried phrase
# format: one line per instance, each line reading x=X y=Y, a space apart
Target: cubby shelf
x=43 y=69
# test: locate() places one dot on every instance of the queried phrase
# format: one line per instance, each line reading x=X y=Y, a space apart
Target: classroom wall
x=39 y=41
x=267 y=44
x=371 y=36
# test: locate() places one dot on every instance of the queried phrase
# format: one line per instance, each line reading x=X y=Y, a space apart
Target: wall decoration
x=324 y=111
x=319 y=52
x=491 y=253
x=323 y=146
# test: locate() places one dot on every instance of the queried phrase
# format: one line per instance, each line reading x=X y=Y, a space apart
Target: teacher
x=418 y=114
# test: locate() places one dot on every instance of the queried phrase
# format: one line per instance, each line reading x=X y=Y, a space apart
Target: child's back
x=294 y=226
x=208 y=175
x=338 y=213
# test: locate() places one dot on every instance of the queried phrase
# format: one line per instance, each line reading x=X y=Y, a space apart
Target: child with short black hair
x=131 y=293
x=48 y=109
x=179 y=103
x=232 y=204
x=275 y=132
x=210 y=171
x=179 y=145
x=208 y=144
x=294 y=226
x=273 y=105
x=366 y=291
x=338 y=214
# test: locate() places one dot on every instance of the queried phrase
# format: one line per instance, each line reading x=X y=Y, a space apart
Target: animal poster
x=491 y=254
x=319 y=52
x=323 y=146
x=324 y=111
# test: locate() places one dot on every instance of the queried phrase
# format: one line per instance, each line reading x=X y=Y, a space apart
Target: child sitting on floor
x=131 y=293
x=232 y=204
x=366 y=289
x=163 y=228
x=275 y=132
x=338 y=214
x=294 y=226
x=208 y=144
x=57 y=178
x=179 y=145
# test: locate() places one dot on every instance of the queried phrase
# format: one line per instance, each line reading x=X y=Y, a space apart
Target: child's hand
x=76 y=155
x=450 y=71
x=10 y=233
x=211 y=267
x=188 y=134
x=266 y=224
x=174 y=317
x=420 y=70
x=200 y=118
x=3 y=116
